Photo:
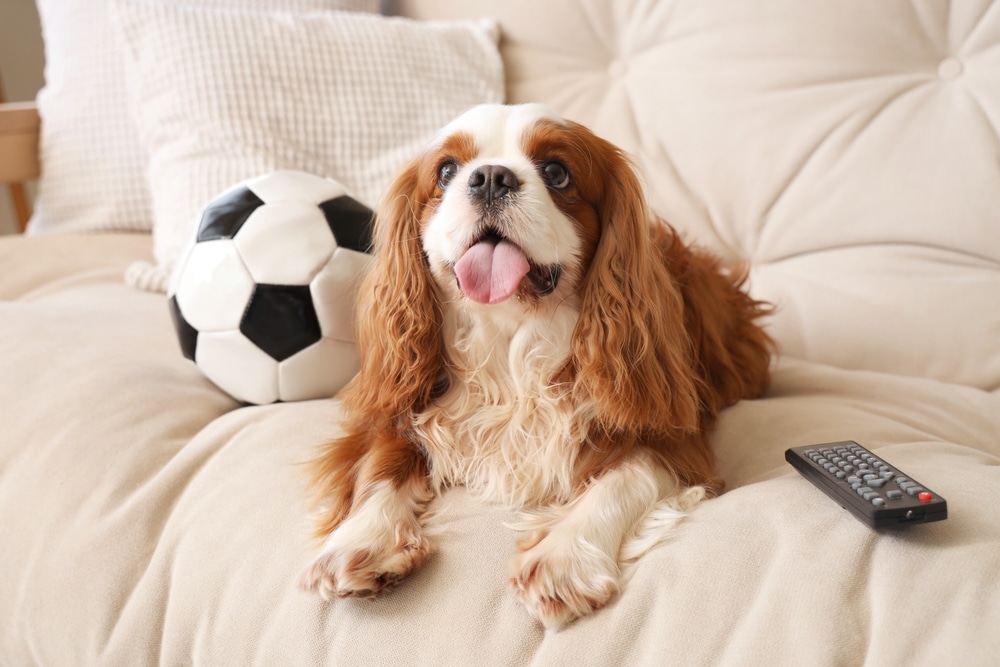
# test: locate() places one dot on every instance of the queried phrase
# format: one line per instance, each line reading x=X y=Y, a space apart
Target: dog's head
x=513 y=209
x=514 y=204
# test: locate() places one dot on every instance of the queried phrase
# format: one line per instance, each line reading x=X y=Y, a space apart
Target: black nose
x=491 y=182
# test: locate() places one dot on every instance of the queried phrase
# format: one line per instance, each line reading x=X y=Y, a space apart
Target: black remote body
x=874 y=491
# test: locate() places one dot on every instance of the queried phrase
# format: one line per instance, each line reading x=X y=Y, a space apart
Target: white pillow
x=93 y=169
x=220 y=96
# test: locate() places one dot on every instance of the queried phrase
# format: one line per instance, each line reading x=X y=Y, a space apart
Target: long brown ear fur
x=398 y=316
x=398 y=335
x=631 y=353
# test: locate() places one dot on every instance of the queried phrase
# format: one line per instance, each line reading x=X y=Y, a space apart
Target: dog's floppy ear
x=398 y=314
x=631 y=354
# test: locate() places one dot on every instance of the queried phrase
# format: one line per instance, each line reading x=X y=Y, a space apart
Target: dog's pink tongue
x=490 y=272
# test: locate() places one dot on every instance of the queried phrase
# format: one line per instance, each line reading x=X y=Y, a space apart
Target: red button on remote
x=925 y=497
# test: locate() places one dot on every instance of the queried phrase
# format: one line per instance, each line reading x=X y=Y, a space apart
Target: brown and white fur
x=575 y=378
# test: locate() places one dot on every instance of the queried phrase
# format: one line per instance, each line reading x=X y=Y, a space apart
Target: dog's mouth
x=493 y=269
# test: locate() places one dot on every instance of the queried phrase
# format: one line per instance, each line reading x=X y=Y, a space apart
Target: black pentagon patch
x=186 y=334
x=350 y=221
x=225 y=214
x=281 y=320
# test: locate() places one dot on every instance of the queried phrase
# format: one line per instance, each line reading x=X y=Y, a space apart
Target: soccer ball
x=263 y=297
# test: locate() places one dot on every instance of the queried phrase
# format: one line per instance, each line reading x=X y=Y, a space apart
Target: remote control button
x=915 y=490
x=852 y=479
x=862 y=490
x=839 y=474
x=925 y=497
x=886 y=475
x=877 y=483
x=870 y=495
x=894 y=494
x=878 y=502
x=902 y=479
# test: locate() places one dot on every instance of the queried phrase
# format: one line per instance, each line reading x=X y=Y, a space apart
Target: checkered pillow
x=220 y=96
x=93 y=168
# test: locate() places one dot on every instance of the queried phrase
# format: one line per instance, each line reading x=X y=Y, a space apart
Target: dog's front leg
x=567 y=562
x=374 y=537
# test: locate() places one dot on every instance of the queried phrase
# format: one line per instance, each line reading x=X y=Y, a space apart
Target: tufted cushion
x=848 y=150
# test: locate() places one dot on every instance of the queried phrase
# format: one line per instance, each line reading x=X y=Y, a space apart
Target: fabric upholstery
x=150 y=520
x=846 y=149
x=93 y=165
x=346 y=96
x=843 y=149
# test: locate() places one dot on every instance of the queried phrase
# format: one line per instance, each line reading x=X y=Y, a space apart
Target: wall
x=21 y=64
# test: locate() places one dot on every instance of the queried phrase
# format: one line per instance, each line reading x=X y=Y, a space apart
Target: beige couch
x=847 y=148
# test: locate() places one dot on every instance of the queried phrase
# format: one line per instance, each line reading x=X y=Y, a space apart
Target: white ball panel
x=175 y=276
x=298 y=186
x=334 y=293
x=238 y=367
x=214 y=288
x=286 y=243
x=319 y=371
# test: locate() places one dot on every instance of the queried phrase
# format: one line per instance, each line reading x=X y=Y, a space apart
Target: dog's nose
x=491 y=182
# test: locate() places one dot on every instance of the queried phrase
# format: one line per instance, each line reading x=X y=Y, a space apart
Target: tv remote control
x=877 y=493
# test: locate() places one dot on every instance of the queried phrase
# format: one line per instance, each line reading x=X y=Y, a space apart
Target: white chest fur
x=504 y=429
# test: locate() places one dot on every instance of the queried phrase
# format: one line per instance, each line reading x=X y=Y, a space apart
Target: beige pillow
x=93 y=168
x=223 y=95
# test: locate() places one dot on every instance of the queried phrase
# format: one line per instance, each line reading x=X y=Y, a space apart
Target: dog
x=528 y=330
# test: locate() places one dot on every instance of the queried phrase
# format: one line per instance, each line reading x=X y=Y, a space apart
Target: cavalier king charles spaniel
x=527 y=330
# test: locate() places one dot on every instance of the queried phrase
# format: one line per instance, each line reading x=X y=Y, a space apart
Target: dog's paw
x=378 y=544
x=350 y=566
x=560 y=579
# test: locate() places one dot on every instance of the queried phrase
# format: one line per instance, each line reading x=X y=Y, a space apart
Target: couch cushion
x=35 y=265
x=150 y=520
x=831 y=144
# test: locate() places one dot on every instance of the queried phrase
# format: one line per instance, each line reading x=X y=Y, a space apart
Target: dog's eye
x=446 y=172
x=556 y=175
